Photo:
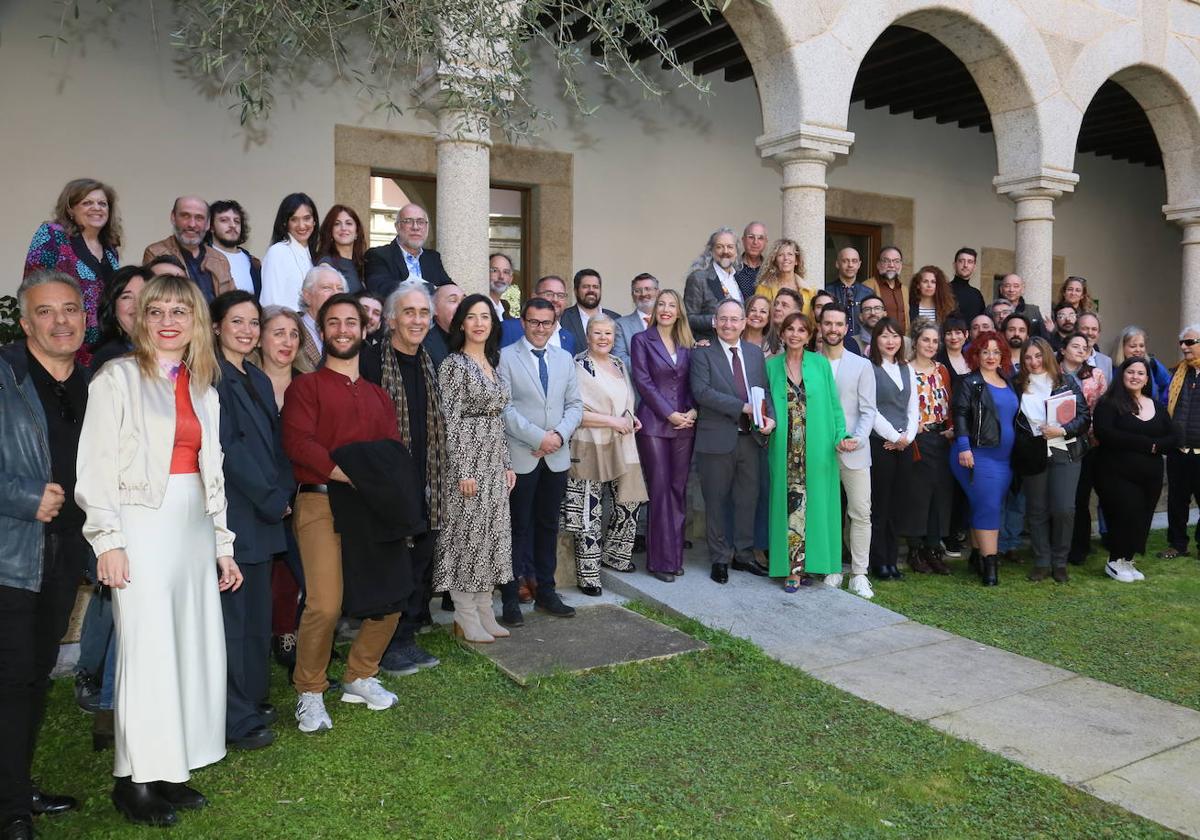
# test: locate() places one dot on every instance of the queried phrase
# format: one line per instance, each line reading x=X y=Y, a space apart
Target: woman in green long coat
x=806 y=511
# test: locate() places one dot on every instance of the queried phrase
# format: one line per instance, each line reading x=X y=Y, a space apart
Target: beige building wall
x=651 y=177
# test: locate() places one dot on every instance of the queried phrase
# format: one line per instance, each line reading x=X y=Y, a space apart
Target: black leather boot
x=103 y=732
x=179 y=795
x=141 y=803
x=990 y=576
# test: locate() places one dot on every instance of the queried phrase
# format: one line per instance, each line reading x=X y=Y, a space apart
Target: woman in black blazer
x=258 y=485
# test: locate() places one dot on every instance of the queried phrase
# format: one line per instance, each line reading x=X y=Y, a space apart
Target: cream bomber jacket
x=125 y=448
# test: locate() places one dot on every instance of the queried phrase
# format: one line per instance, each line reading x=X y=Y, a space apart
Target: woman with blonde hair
x=82 y=240
x=784 y=269
x=660 y=357
x=758 y=321
x=152 y=488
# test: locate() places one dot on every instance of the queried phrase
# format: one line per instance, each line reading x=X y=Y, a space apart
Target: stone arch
x=1159 y=85
x=806 y=59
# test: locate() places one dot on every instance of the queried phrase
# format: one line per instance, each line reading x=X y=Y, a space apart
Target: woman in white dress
x=152 y=488
x=292 y=252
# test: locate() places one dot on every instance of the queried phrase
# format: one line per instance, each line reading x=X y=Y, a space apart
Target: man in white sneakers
x=856 y=388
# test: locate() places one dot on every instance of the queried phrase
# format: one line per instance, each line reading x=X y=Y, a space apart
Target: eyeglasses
x=553 y=295
x=416 y=223
x=539 y=325
x=177 y=313
x=882 y=261
x=66 y=411
x=1189 y=342
x=867 y=309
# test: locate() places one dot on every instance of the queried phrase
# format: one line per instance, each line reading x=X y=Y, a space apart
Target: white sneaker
x=311 y=714
x=834 y=581
x=861 y=587
x=1118 y=570
x=368 y=690
x=1133 y=570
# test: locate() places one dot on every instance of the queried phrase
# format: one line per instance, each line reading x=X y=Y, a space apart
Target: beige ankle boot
x=487 y=617
x=466 y=618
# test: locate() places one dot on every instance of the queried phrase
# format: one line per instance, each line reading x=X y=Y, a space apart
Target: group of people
x=235 y=451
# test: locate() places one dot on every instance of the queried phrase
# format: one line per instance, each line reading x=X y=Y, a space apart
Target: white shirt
x=728 y=283
x=883 y=426
x=283 y=269
x=499 y=309
x=555 y=338
x=1033 y=401
x=741 y=360
x=239 y=267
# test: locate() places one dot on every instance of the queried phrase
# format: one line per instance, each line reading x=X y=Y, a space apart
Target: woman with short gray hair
x=604 y=462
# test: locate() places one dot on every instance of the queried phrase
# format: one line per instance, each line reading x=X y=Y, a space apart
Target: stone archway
x=1160 y=85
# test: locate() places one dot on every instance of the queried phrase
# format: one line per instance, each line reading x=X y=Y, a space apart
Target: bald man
x=207 y=267
x=847 y=289
x=405 y=256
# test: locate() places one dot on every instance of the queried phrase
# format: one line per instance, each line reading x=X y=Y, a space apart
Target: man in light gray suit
x=855 y=380
x=722 y=376
x=645 y=292
x=539 y=420
x=711 y=280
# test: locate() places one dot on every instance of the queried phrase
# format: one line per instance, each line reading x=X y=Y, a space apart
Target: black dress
x=1129 y=473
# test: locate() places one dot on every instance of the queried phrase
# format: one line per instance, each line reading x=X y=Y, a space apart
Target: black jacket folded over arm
x=376 y=519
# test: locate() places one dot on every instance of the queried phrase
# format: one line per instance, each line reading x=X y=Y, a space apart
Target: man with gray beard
x=207 y=267
x=891 y=289
x=711 y=279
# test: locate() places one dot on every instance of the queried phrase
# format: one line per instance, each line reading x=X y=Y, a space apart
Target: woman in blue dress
x=984 y=408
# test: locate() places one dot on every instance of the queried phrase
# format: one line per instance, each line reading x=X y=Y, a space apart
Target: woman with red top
x=152 y=487
x=925 y=520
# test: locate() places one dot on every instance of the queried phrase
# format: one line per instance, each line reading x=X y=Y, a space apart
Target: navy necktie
x=543 y=371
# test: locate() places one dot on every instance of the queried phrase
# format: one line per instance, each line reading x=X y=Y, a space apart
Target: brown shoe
x=1038 y=574
x=1060 y=575
x=936 y=563
x=1011 y=556
x=917 y=561
x=527 y=591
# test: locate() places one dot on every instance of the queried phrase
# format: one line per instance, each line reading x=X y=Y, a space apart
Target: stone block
x=597 y=637
x=1160 y=788
x=863 y=644
x=1075 y=730
x=934 y=680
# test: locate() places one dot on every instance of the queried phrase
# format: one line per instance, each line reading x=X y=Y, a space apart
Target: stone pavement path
x=1137 y=752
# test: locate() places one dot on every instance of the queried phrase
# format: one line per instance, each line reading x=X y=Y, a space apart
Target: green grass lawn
x=1144 y=636
x=723 y=743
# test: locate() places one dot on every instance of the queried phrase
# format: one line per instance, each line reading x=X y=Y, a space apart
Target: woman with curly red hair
x=985 y=406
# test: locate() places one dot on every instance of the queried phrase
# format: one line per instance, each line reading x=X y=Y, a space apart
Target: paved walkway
x=1137 y=752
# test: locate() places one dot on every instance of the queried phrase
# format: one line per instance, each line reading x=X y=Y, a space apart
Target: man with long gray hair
x=404 y=368
x=711 y=279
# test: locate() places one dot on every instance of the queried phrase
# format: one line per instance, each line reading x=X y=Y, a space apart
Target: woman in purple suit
x=660 y=357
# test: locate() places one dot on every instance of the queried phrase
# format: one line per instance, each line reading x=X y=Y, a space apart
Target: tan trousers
x=321 y=557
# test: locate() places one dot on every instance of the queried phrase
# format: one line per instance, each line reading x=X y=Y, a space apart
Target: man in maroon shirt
x=322 y=411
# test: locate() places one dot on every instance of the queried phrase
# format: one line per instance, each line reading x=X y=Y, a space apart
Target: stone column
x=805 y=155
x=463 y=198
x=1189 y=288
x=1034 y=249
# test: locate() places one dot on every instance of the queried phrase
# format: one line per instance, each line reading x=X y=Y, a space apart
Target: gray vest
x=892 y=402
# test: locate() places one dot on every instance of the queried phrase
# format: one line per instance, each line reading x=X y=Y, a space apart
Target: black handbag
x=1029 y=453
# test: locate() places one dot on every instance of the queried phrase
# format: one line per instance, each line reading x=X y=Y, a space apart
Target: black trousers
x=729 y=482
x=31 y=626
x=891 y=474
x=1183 y=485
x=417 y=606
x=1129 y=487
x=247 y=614
x=1081 y=536
x=534 y=506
